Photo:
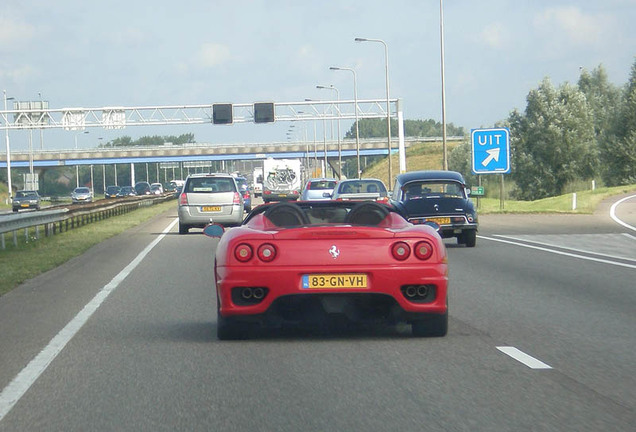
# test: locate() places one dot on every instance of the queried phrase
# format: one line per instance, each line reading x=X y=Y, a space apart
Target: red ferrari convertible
x=313 y=261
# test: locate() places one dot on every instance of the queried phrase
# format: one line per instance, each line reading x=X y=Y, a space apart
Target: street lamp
x=6 y=124
x=388 y=101
x=441 y=34
x=355 y=101
x=77 y=166
x=331 y=87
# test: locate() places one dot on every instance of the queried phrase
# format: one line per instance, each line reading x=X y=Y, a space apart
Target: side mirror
x=213 y=230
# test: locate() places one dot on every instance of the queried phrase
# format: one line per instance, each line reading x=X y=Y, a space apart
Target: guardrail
x=61 y=220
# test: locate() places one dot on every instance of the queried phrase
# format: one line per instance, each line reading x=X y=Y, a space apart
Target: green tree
x=620 y=155
x=553 y=142
x=376 y=128
x=605 y=102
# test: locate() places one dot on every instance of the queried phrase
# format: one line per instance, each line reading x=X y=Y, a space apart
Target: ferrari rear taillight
x=400 y=251
x=183 y=199
x=266 y=252
x=237 y=198
x=423 y=250
x=384 y=200
x=243 y=252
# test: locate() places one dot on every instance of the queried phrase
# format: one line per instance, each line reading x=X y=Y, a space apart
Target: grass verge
x=586 y=202
x=18 y=264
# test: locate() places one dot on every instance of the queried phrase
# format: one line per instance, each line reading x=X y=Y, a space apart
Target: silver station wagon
x=209 y=198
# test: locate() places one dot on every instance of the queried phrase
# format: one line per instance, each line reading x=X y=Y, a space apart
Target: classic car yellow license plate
x=347 y=280
x=439 y=220
x=211 y=209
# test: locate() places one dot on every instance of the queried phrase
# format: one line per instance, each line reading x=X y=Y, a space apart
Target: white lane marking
x=616 y=219
x=14 y=391
x=524 y=358
x=559 y=252
x=589 y=252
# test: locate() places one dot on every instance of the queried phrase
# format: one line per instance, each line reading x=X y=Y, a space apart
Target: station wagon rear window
x=210 y=185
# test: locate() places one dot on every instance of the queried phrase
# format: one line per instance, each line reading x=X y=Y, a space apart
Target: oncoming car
x=25 y=199
x=440 y=197
x=208 y=198
x=81 y=195
x=316 y=261
x=112 y=191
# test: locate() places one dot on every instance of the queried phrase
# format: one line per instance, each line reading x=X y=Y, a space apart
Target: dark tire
x=469 y=238
x=183 y=229
x=432 y=326
x=229 y=329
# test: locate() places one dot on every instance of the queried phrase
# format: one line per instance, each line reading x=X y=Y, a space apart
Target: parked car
x=112 y=191
x=440 y=197
x=126 y=191
x=156 y=189
x=209 y=198
x=317 y=189
x=25 y=199
x=244 y=188
x=300 y=262
x=142 y=188
x=361 y=189
x=81 y=195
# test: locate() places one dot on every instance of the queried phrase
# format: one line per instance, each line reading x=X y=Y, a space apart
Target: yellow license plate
x=440 y=220
x=347 y=280
x=211 y=209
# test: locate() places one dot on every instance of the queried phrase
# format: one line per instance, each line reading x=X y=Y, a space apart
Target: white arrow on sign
x=493 y=154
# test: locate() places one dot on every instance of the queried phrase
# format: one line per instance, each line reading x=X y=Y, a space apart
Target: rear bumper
x=286 y=299
x=192 y=216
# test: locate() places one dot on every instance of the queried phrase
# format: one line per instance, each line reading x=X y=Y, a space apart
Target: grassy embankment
x=29 y=259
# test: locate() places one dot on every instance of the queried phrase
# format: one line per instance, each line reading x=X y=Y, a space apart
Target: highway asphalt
x=542 y=338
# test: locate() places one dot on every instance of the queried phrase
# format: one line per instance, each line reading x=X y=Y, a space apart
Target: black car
x=440 y=197
x=142 y=188
x=111 y=191
x=126 y=191
x=25 y=199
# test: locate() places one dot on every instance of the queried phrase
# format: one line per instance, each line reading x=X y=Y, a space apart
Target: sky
x=145 y=53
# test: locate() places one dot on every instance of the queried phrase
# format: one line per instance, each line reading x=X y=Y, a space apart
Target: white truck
x=257 y=181
x=281 y=179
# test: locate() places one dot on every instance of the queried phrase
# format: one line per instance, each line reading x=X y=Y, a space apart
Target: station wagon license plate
x=330 y=281
x=439 y=220
x=211 y=209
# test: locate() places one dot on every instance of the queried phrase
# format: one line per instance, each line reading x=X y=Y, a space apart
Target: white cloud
x=14 y=33
x=494 y=36
x=213 y=54
x=571 y=23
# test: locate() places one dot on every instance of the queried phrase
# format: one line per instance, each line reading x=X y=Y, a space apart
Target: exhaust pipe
x=411 y=291
x=258 y=293
x=246 y=293
x=422 y=290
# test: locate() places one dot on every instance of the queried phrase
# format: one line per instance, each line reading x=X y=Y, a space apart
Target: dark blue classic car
x=440 y=197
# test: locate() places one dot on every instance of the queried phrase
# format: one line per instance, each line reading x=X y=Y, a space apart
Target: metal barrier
x=57 y=221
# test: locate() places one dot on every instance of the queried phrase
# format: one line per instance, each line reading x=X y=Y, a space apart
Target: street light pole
x=77 y=166
x=441 y=32
x=331 y=87
x=388 y=100
x=6 y=124
x=355 y=101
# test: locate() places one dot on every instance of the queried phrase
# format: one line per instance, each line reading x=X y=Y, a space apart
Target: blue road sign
x=491 y=150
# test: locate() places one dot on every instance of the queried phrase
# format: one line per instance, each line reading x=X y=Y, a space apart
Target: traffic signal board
x=222 y=114
x=264 y=112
